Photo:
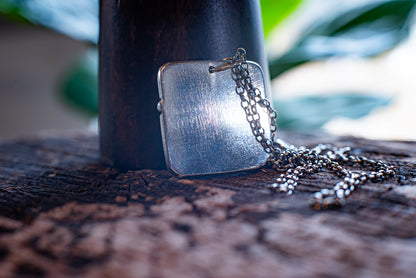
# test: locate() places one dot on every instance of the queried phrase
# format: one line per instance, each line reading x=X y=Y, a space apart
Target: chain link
x=297 y=162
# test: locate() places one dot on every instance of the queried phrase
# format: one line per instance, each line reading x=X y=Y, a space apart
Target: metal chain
x=297 y=162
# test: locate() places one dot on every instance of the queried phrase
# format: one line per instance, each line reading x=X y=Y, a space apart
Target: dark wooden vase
x=136 y=38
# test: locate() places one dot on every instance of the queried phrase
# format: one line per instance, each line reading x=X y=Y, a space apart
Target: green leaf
x=79 y=87
x=275 y=11
x=12 y=11
x=363 y=31
x=312 y=112
x=75 y=18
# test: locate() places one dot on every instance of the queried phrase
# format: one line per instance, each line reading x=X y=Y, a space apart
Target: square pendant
x=204 y=127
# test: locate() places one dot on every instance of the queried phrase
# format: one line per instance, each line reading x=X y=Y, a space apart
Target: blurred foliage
x=365 y=30
x=274 y=12
x=12 y=11
x=74 y=18
x=80 y=86
x=312 y=112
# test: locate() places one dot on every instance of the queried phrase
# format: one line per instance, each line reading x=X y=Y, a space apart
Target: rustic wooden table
x=63 y=214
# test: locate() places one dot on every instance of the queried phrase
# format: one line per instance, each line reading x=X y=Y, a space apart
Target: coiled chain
x=297 y=162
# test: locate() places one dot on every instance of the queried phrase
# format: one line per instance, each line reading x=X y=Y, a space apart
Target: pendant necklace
x=215 y=118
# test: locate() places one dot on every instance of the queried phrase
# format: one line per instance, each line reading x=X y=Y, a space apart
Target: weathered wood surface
x=62 y=214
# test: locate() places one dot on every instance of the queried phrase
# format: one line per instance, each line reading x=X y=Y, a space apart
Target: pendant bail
x=229 y=62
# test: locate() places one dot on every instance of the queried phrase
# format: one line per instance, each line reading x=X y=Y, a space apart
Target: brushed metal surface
x=204 y=128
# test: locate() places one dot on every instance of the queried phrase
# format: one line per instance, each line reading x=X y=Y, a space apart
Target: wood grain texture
x=63 y=214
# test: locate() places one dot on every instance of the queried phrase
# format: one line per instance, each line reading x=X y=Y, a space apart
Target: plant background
x=342 y=66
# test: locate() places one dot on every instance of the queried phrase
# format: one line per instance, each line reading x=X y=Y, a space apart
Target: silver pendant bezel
x=222 y=92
